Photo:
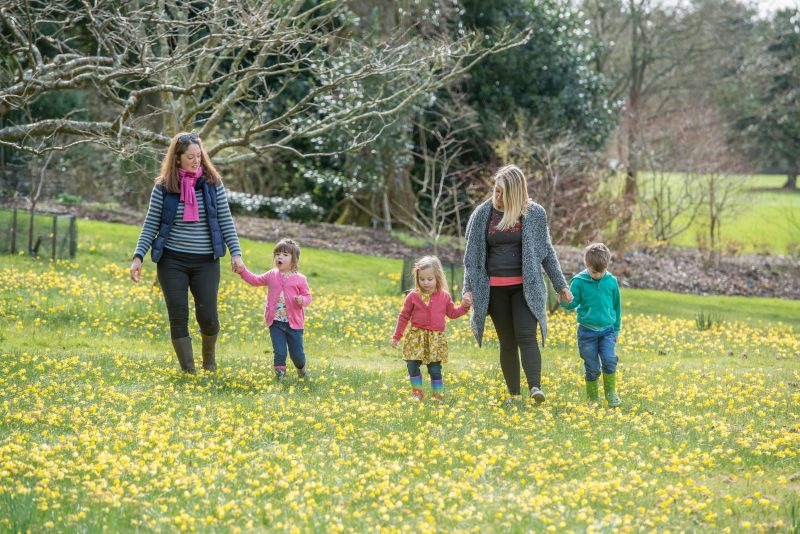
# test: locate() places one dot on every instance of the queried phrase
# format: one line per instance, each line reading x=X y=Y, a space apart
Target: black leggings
x=178 y=272
x=516 y=327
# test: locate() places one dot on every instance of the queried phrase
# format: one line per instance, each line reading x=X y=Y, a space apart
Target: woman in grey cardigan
x=508 y=243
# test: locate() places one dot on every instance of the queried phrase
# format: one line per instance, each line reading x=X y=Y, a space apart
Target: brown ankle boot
x=209 y=352
x=183 y=349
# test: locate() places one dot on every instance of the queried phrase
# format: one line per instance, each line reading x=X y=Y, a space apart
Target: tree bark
x=791 y=175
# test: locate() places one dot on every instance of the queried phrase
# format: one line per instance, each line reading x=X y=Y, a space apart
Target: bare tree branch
x=250 y=77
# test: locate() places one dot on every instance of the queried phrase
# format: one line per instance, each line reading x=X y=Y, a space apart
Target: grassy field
x=763 y=219
x=100 y=431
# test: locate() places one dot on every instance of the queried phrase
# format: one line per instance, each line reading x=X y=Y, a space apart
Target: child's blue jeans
x=597 y=350
x=283 y=336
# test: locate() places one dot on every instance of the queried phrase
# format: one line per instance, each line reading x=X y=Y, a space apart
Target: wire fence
x=47 y=234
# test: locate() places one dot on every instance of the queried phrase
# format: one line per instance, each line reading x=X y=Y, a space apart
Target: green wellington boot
x=591 y=391
x=609 y=385
x=209 y=352
x=183 y=349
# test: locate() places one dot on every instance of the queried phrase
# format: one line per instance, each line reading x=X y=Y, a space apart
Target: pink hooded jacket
x=427 y=316
x=291 y=285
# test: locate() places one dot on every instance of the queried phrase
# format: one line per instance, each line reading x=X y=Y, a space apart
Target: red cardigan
x=427 y=316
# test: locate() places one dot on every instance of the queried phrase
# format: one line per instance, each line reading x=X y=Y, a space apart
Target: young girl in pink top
x=426 y=307
x=288 y=295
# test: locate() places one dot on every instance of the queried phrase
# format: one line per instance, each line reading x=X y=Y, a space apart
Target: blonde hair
x=288 y=246
x=597 y=257
x=515 y=195
x=169 y=177
x=430 y=262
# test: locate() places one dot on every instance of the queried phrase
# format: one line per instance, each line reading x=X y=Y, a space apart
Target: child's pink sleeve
x=455 y=312
x=254 y=280
x=404 y=317
x=305 y=292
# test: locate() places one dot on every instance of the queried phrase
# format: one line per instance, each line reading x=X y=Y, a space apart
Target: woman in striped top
x=189 y=226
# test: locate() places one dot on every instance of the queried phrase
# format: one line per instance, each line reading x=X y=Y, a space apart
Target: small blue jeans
x=283 y=336
x=597 y=350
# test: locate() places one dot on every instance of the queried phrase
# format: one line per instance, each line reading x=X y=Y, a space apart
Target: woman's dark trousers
x=179 y=272
x=516 y=327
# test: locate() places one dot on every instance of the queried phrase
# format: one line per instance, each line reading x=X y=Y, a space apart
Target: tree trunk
x=35 y=194
x=637 y=67
x=713 y=222
x=791 y=173
x=387 y=213
x=32 y=214
x=631 y=187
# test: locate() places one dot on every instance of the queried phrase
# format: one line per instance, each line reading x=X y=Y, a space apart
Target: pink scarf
x=188 y=197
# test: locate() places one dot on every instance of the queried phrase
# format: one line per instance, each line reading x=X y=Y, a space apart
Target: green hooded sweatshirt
x=597 y=301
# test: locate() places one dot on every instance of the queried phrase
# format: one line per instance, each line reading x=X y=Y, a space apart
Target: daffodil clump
x=100 y=431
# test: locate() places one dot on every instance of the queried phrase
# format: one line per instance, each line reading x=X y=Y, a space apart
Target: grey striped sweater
x=191 y=237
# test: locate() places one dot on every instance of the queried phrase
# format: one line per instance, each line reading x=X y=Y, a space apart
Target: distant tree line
x=395 y=113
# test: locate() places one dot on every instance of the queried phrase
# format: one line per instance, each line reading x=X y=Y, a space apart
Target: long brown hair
x=169 y=177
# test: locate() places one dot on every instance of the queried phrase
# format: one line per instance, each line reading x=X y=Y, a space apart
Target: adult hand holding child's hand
x=237 y=264
x=565 y=295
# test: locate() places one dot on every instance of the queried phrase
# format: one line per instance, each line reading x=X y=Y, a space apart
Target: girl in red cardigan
x=426 y=307
x=284 y=314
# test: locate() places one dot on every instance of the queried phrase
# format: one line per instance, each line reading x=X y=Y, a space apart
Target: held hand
x=298 y=299
x=466 y=300
x=394 y=343
x=136 y=269
x=237 y=264
x=565 y=295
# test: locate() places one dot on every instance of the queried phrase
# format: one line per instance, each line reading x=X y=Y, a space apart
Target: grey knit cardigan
x=537 y=252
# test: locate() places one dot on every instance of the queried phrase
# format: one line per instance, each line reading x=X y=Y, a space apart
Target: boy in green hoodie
x=596 y=297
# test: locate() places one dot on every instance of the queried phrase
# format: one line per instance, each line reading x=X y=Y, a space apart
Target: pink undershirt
x=499 y=281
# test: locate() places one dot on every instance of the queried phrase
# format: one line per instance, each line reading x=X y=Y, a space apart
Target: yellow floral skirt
x=429 y=346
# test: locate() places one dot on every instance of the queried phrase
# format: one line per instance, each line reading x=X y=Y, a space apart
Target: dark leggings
x=177 y=273
x=516 y=327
